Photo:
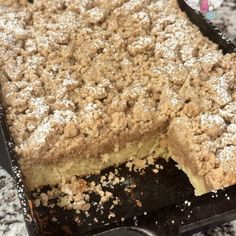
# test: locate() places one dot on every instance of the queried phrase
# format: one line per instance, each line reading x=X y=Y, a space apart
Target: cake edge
x=55 y=173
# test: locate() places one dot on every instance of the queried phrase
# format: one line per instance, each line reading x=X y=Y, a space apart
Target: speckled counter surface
x=226 y=19
x=11 y=219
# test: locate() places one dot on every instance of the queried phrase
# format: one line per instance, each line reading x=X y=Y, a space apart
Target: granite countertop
x=11 y=218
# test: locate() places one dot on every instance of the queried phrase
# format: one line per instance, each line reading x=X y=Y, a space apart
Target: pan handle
x=127 y=231
x=207 y=223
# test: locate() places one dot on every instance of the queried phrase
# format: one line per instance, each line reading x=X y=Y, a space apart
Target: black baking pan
x=169 y=206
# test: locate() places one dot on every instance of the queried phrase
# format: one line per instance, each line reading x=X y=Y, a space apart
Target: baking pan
x=8 y=160
x=169 y=206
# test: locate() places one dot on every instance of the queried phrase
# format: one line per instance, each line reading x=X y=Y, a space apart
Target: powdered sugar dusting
x=40 y=108
x=221 y=87
x=228 y=153
x=48 y=129
x=89 y=110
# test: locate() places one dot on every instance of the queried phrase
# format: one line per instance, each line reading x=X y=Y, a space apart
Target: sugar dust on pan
x=206 y=7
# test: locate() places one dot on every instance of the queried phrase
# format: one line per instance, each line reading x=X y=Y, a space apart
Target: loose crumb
x=111 y=215
x=138 y=203
x=54 y=219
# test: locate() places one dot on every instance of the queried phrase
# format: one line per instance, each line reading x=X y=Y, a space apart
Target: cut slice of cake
x=90 y=84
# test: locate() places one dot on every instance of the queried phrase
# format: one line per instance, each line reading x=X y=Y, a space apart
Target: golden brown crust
x=79 y=78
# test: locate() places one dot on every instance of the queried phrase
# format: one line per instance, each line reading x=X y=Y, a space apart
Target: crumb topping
x=100 y=73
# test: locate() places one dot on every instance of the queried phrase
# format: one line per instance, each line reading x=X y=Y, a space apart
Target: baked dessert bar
x=91 y=83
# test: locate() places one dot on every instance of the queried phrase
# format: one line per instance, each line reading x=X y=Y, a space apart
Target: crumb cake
x=90 y=84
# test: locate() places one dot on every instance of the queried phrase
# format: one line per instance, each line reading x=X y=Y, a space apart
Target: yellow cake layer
x=51 y=174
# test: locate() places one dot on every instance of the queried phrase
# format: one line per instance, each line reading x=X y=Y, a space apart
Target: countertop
x=11 y=218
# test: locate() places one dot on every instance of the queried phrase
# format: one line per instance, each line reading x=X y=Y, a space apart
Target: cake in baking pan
x=91 y=84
